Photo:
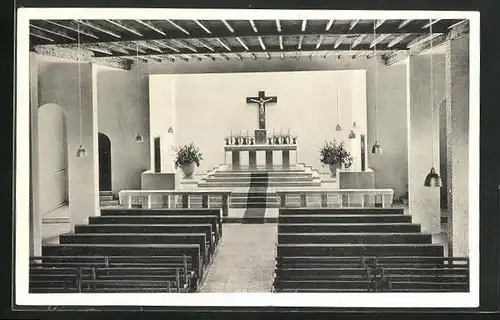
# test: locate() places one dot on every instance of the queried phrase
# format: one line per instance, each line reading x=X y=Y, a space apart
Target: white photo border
x=296 y=300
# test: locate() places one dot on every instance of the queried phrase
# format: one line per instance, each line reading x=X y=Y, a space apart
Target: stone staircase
x=299 y=175
x=108 y=199
x=256 y=188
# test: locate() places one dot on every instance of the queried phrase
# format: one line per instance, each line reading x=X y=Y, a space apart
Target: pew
x=373 y=238
x=149 y=228
x=136 y=250
x=347 y=227
x=140 y=238
x=184 y=219
x=338 y=218
x=341 y=211
x=308 y=249
x=105 y=212
x=52 y=274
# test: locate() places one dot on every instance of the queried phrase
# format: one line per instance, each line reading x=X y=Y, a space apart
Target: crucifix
x=262 y=100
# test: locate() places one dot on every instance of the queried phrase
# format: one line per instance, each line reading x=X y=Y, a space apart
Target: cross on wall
x=261 y=100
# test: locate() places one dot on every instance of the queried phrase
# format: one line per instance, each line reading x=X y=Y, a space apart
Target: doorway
x=157 y=151
x=104 y=163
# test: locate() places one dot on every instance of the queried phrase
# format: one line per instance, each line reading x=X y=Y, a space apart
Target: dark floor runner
x=256 y=211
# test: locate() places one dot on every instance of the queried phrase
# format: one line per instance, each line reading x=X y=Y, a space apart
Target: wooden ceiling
x=118 y=43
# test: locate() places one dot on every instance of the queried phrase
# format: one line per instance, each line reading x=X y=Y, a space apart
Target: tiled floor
x=244 y=261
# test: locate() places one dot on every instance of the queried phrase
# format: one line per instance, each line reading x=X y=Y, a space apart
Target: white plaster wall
x=53 y=156
x=392 y=166
x=162 y=116
x=458 y=106
x=123 y=111
x=423 y=138
x=306 y=105
x=58 y=83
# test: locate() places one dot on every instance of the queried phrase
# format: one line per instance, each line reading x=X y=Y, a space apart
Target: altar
x=252 y=150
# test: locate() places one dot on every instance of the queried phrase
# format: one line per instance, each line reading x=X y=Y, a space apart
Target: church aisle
x=245 y=259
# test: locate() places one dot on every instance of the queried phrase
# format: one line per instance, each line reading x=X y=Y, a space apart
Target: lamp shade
x=376 y=148
x=170 y=130
x=139 y=138
x=433 y=179
x=338 y=128
x=352 y=135
x=81 y=152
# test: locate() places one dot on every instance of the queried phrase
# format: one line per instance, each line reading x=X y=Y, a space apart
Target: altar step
x=229 y=184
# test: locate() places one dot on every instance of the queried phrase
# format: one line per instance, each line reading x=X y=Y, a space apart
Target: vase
x=333 y=169
x=188 y=170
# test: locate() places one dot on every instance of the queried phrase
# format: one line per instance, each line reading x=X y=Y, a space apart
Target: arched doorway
x=104 y=162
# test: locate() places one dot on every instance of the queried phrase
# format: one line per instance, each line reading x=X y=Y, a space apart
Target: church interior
x=235 y=155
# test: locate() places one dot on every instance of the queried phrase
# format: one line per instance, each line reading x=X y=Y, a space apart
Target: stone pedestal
x=286 y=159
x=269 y=158
x=236 y=160
x=252 y=159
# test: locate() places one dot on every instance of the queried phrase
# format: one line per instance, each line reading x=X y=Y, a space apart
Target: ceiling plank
x=228 y=26
x=178 y=27
x=243 y=44
x=379 y=23
x=397 y=40
x=278 y=25
x=201 y=25
x=304 y=25
x=206 y=45
x=151 y=26
x=339 y=41
x=379 y=39
x=358 y=40
x=353 y=24
x=39 y=35
x=404 y=23
x=72 y=26
x=99 y=28
x=57 y=33
x=124 y=27
x=228 y=48
x=275 y=48
x=454 y=33
x=329 y=25
x=223 y=32
x=254 y=27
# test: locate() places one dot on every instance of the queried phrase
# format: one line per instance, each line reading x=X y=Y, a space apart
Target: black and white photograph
x=202 y=157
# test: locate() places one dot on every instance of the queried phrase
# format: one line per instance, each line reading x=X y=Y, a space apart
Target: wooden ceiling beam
x=223 y=32
x=201 y=25
x=269 y=48
x=454 y=33
x=151 y=26
x=82 y=55
x=59 y=33
x=72 y=26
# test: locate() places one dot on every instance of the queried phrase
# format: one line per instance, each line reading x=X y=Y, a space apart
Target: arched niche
x=104 y=163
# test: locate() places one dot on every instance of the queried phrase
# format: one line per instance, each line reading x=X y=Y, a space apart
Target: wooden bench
x=434 y=250
x=149 y=228
x=141 y=238
x=51 y=274
x=348 y=227
x=184 y=219
x=373 y=238
x=105 y=212
x=348 y=218
x=136 y=250
x=341 y=211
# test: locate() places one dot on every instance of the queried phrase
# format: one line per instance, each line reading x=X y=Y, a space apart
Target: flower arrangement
x=335 y=153
x=186 y=155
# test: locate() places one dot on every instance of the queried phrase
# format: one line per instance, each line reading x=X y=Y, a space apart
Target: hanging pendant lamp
x=338 y=127
x=376 y=148
x=138 y=137
x=81 y=152
x=432 y=179
x=352 y=134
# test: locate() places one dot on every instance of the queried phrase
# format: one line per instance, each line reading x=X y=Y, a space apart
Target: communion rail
x=152 y=199
x=364 y=198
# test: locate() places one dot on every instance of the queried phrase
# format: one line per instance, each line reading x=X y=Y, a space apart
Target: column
x=252 y=159
x=269 y=159
x=35 y=228
x=236 y=160
x=457 y=109
x=286 y=159
x=424 y=201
